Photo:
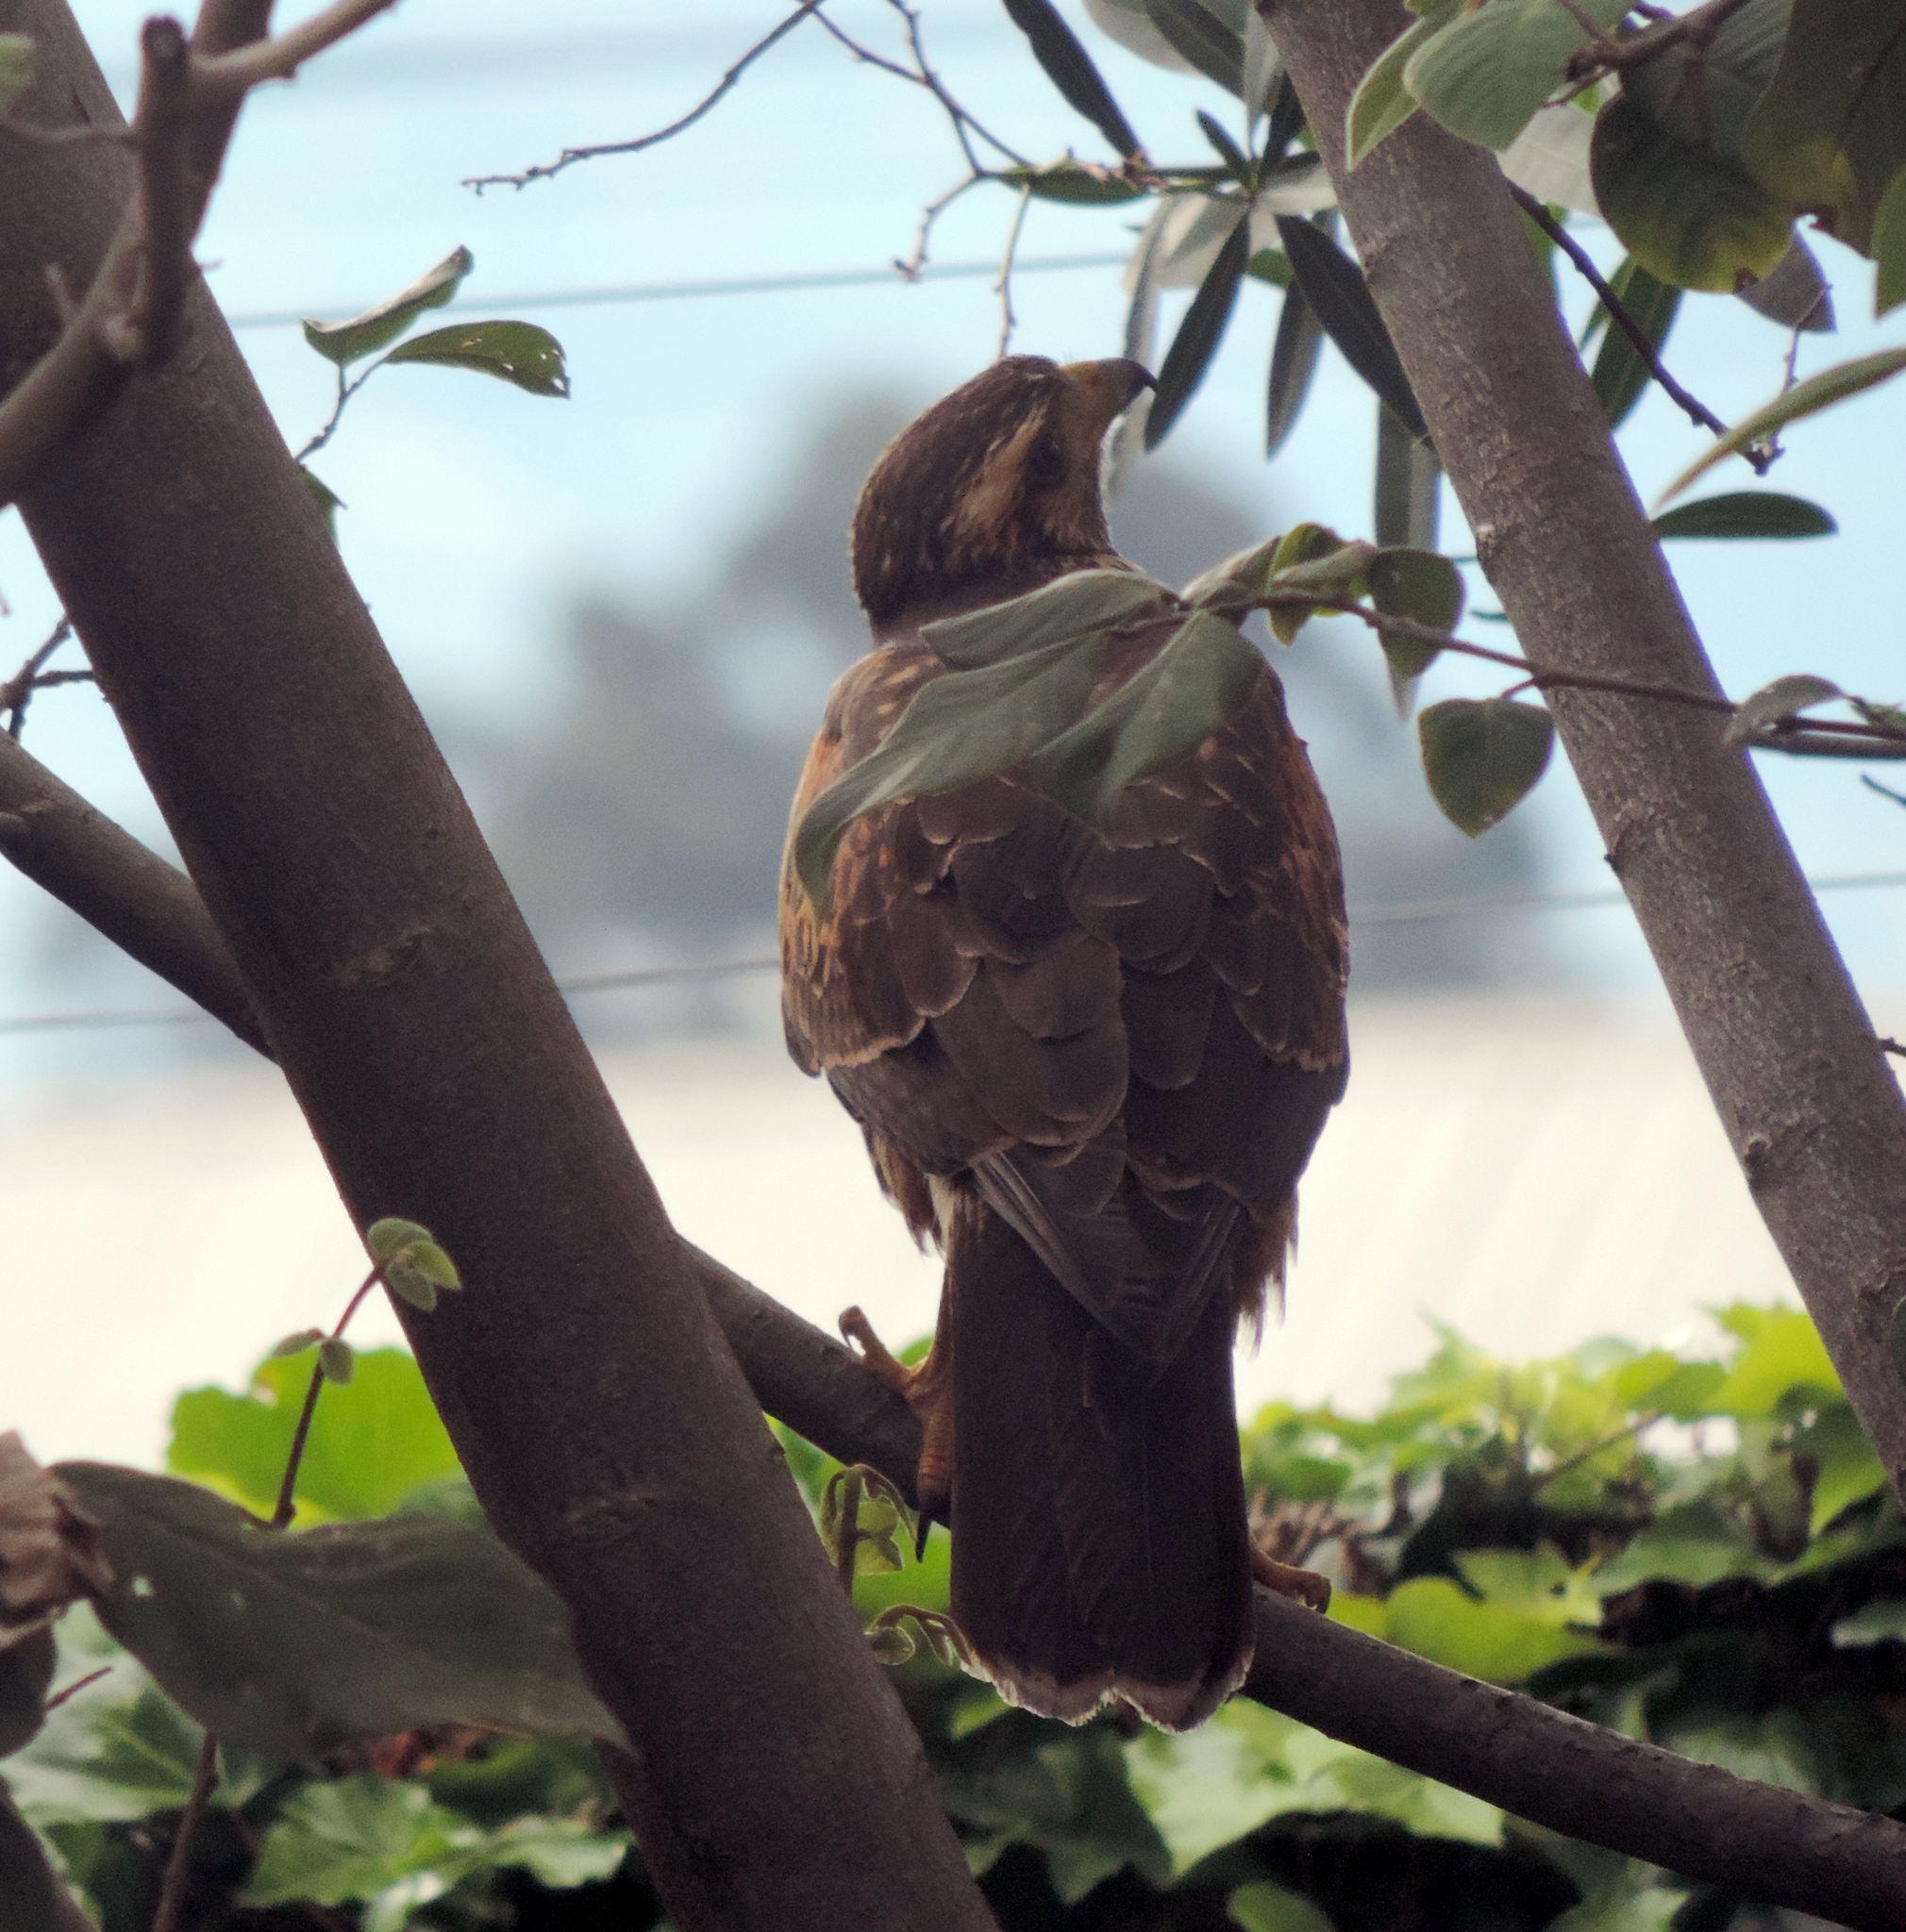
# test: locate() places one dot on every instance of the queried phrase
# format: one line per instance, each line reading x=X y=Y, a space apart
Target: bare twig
x=1884 y=791
x=1003 y=287
x=17 y=693
x=928 y=215
x=237 y=73
x=546 y=171
x=345 y=391
x=1888 y=1044
x=1617 y=313
x=73 y=1689
x=163 y=121
x=178 y=1865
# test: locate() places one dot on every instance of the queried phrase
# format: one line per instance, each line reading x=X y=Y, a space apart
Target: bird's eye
x=1045 y=465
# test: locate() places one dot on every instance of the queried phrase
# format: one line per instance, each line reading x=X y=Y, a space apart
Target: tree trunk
x=1805 y=1095
x=775 y=1781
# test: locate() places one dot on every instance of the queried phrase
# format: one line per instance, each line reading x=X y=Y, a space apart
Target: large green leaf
x=1829 y=133
x=1382 y=101
x=1200 y=332
x=1069 y=67
x=1783 y=1353
x=289 y=1643
x=1201 y=36
x=514 y=352
x=1200 y=681
x=1085 y=601
x=372 y=1442
x=1690 y=216
x=1806 y=398
x=1485 y=74
x=1436 y=1619
x=1741 y=513
x=1621 y=371
x=1482 y=759
x=345 y=342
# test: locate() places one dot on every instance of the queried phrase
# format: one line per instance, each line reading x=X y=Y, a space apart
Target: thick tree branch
x=776 y=1781
x=1814 y=1114
x=1507 y=1749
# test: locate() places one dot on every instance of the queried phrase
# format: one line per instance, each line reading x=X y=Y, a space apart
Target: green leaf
x=1828 y=135
x=1889 y=246
x=1198 y=682
x=1621 y=373
x=1382 y=101
x=1538 y=1584
x=1777 y=701
x=1086 y=601
x=1481 y=760
x=328 y=502
x=392 y=1235
x=1200 y=332
x=1846 y=1469
x=1197 y=34
x=1746 y=513
x=337 y=1360
x=516 y=352
x=1267 y=1908
x=345 y=342
x=16 y=69
x=1883 y=1622
x=301 y=1343
x=1806 y=398
x=26 y=1676
x=1309 y=557
x=1335 y=287
x=1293 y=363
x=1691 y=217
x=1074 y=182
x=1783 y=1353
x=959 y=728
x=1423 y=587
x=371 y=1444
x=1484 y=74
x=1069 y=67
x=1227 y=150
x=1433 y=1617
x=1793 y=295
x=30 y=1895
x=408 y=1285
x=289 y=1643
x=374 y=1839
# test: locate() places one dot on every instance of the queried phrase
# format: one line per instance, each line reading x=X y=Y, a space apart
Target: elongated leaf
x=1889 y=246
x=1088 y=600
x=1074 y=182
x=1199 y=333
x=1408 y=480
x=1382 y=102
x=1070 y=69
x=1484 y=74
x=1126 y=443
x=1794 y=293
x=959 y=728
x=1200 y=680
x=289 y=1643
x=1214 y=46
x=1293 y=363
x=1267 y=1908
x=16 y=70
x=1129 y=23
x=1806 y=398
x=1228 y=151
x=1775 y=702
x=1481 y=760
x=1828 y=134
x=1692 y=217
x=1746 y=513
x=1263 y=70
x=1235 y=584
x=345 y=342
x=516 y=352
x=1334 y=287
x=1620 y=373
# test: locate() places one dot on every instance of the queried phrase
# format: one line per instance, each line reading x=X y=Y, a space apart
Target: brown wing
x=1128 y=1039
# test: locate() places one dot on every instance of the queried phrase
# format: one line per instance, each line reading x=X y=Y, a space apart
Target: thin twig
x=546 y=171
x=915 y=262
x=1888 y=1044
x=73 y=1689
x=1617 y=313
x=1609 y=54
x=345 y=391
x=1003 y=289
x=18 y=690
x=178 y=1865
x=237 y=73
x=287 y=1508
x=1884 y=791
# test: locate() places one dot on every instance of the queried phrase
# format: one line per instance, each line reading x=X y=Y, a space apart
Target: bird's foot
x=927 y=1388
x=1287 y=1579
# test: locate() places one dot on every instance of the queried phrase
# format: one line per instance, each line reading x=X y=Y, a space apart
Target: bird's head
x=994 y=488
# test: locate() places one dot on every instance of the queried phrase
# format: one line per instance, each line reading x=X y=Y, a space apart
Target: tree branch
x=776 y=1781
x=1814 y=1114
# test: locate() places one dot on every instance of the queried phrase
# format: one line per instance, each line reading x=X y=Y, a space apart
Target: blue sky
x=476 y=514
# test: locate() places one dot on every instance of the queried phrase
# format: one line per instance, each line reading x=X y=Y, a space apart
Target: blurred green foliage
x=1699 y=1552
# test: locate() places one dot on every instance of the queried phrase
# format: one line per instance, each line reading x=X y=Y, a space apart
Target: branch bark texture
x=775 y=1780
x=1801 y=1086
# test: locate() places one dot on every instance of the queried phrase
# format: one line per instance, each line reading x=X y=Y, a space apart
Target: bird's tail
x=1098 y=1510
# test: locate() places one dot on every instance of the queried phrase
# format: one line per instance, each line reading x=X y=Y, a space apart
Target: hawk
x=1091 y=1063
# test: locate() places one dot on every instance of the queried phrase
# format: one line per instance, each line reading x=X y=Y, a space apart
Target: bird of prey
x=1091 y=1061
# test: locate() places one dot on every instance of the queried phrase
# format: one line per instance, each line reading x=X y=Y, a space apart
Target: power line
x=1401 y=912
x=889 y=275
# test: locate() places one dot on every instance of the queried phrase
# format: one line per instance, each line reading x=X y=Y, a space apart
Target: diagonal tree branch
x=1814 y=1114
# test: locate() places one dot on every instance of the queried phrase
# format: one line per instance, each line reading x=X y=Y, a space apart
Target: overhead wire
x=1399 y=913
